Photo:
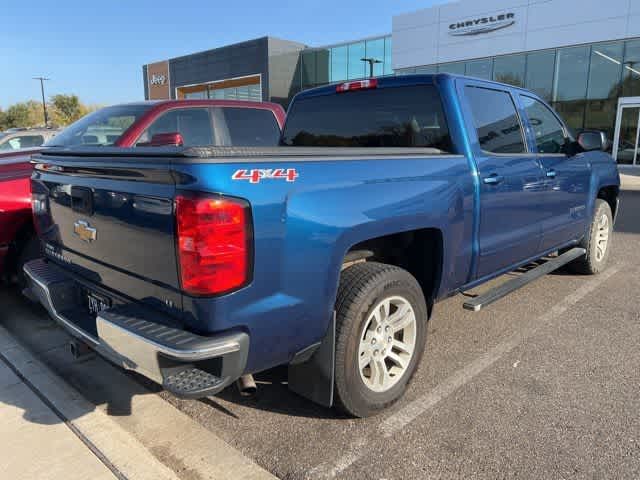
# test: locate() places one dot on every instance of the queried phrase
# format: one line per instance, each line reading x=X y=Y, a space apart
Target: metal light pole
x=44 y=103
x=372 y=61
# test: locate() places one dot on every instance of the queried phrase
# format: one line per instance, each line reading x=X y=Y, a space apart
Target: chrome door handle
x=493 y=179
x=551 y=174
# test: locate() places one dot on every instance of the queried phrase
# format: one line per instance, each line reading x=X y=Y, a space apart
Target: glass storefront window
x=375 y=49
x=356 y=68
x=339 y=63
x=456 y=68
x=540 y=71
x=480 y=68
x=570 y=89
x=631 y=71
x=628 y=135
x=388 y=64
x=605 y=71
x=322 y=67
x=604 y=86
x=572 y=69
x=509 y=69
x=196 y=95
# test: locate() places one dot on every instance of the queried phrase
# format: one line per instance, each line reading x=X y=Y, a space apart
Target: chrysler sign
x=481 y=25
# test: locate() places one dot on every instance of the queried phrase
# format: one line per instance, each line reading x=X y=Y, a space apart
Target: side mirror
x=173 y=139
x=591 y=140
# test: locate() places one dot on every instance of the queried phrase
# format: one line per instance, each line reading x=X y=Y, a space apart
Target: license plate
x=96 y=302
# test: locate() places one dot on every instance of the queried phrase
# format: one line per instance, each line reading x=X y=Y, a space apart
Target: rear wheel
x=597 y=242
x=381 y=327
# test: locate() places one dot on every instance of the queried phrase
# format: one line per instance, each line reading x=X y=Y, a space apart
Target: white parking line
x=421 y=405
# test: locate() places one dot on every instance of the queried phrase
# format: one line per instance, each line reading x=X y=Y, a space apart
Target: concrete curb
x=122 y=450
x=155 y=435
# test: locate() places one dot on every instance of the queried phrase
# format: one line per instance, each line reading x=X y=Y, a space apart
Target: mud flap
x=311 y=372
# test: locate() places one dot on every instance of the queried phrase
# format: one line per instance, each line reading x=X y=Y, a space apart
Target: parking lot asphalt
x=543 y=384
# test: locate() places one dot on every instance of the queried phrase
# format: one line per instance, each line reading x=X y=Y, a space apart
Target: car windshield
x=102 y=128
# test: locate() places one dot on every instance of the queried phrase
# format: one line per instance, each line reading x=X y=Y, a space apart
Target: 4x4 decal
x=258 y=174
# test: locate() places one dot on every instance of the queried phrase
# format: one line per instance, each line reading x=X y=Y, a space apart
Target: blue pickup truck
x=198 y=265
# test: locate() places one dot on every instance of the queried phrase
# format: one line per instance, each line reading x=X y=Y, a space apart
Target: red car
x=17 y=241
x=134 y=125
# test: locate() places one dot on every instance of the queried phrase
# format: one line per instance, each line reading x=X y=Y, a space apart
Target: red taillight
x=213 y=243
x=358 y=85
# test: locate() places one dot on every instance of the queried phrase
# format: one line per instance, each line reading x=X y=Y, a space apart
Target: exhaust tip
x=247 y=386
x=79 y=350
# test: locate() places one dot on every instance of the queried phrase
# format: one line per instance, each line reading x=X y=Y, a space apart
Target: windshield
x=102 y=128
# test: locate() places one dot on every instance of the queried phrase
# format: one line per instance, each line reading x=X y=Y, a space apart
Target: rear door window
x=247 y=127
x=194 y=124
x=383 y=117
x=496 y=120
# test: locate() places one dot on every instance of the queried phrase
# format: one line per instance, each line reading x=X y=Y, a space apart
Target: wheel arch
x=610 y=194
x=419 y=251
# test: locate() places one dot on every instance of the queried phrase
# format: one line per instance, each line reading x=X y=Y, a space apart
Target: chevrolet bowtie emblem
x=84 y=231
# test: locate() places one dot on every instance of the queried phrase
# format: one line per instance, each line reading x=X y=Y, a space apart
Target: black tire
x=593 y=263
x=30 y=251
x=362 y=287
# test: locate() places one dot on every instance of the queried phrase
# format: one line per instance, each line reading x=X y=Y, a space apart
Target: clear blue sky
x=96 y=49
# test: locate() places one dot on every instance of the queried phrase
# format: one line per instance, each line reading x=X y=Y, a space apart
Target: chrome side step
x=510 y=286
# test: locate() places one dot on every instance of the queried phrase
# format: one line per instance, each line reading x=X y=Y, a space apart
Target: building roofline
x=264 y=37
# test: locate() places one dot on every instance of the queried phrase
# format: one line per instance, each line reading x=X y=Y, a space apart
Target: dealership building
x=582 y=56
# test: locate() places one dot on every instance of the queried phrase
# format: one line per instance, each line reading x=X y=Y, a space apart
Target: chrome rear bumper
x=140 y=339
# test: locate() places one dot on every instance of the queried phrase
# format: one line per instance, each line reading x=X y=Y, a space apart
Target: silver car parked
x=20 y=139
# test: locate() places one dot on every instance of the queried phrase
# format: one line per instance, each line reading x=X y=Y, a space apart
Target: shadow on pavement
x=98 y=381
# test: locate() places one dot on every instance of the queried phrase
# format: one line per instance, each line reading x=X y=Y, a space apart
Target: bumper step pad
x=192 y=383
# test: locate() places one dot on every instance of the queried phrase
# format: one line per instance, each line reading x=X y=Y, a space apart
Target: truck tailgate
x=111 y=221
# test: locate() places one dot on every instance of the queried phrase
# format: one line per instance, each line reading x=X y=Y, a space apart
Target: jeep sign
x=481 y=25
x=158 y=79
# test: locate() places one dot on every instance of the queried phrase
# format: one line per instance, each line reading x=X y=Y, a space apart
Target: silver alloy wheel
x=387 y=343
x=602 y=237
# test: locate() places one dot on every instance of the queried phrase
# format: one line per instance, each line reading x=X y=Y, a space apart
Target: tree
x=24 y=114
x=66 y=109
x=4 y=122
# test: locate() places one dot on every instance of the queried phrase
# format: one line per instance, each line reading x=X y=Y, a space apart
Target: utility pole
x=44 y=103
x=372 y=61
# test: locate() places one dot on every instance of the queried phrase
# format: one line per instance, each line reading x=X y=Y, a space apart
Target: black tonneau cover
x=182 y=154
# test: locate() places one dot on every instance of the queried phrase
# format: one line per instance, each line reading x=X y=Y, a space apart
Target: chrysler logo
x=481 y=25
x=84 y=231
x=158 y=79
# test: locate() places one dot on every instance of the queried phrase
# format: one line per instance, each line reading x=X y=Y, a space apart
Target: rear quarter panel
x=304 y=228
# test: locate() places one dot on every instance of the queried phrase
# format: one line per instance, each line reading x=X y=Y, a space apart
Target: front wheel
x=597 y=242
x=381 y=323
